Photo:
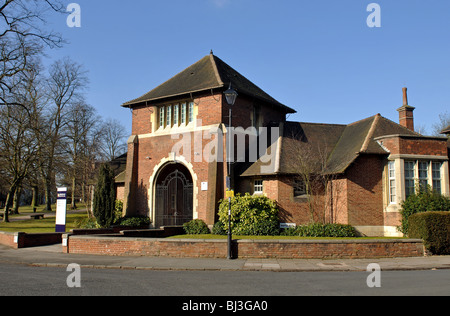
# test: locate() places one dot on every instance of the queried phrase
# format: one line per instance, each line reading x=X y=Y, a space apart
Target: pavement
x=52 y=256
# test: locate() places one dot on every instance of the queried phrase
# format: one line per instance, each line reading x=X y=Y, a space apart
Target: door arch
x=174 y=196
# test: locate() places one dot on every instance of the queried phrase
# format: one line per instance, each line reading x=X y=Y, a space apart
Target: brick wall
x=281 y=249
x=365 y=191
x=7 y=239
x=415 y=146
x=141 y=122
x=29 y=240
x=149 y=150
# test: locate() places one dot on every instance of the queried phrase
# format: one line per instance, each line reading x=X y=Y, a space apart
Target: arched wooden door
x=174 y=196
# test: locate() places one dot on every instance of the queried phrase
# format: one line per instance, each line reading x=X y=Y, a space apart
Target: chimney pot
x=405 y=96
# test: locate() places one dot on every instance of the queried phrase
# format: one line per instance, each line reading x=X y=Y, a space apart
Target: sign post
x=61 y=210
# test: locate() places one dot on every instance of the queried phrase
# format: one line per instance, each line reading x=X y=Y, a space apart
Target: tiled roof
x=329 y=148
x=208 y=73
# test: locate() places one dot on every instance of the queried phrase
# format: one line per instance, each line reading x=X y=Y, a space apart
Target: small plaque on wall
x=204 y=186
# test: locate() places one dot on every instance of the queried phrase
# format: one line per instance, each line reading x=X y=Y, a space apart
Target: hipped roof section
x=335 y=146
x=207 y=74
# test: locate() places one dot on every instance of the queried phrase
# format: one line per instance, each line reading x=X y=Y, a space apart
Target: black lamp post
x=231 y=96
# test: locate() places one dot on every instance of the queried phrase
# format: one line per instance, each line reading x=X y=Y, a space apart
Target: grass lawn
x=46 y=225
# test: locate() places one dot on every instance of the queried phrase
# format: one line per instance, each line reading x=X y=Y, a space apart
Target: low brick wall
x=331 y=249
x=7 y=239
x=23 y=240
x=281 y=249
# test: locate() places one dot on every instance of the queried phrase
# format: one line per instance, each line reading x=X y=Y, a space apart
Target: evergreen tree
x=105 y=197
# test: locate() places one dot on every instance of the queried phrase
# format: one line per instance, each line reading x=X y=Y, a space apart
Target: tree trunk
x=16 y=200
x=34 y=201
x=73 y=206
x=9 y=201
x=48 y=200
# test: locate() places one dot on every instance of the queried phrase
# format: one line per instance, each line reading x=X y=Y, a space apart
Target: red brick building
x=354 y=174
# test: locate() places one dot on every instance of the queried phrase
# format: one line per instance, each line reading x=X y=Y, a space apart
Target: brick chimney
x=406 y=112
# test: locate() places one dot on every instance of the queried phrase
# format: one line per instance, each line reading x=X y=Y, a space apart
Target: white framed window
x=423 y=174
x=436 y=174
x=392 y=183
x=409 y=178
x=169 y=116
x=183 y=113
x=161 y=117
x=258 y=187
x=191 y=112
x=176 y=115
x=299 y=188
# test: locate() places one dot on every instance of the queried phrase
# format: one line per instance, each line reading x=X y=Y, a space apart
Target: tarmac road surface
x=21 y=280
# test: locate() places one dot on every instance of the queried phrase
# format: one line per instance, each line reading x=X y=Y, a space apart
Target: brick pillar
x=129 y=207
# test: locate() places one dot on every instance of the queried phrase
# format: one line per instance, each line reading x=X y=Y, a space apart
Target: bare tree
x=65 y=86
x=444 y=122
x=113 y=139
x=308 y=165
x=23 y=35
x=80 y=130
x=17 y=141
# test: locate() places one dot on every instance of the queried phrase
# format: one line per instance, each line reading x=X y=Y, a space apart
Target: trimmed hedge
x=250 y=216
x=321 y=230
x=426 y=200
x=196 y=227
x=135 y=221
x=434 y=229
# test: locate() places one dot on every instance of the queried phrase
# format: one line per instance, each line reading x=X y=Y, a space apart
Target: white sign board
x=204 y=186
x=287 y=225
x=61 y=210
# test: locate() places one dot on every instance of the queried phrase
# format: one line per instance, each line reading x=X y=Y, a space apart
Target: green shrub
x=104 y=197
x=426 y=200
x=219 y=229
x=118 y=211
x=321 y=230
x=434 y=229
x=86 y=223
x=196 y=227
x=136 y=221
x=250 y=215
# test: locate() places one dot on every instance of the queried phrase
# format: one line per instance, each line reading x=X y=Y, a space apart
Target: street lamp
x=231 y=96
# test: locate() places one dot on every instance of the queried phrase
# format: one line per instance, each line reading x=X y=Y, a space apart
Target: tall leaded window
x=392 y=184
x=409 y=178
x=436 y=174
x=423 y=175
x=169 y=116
x=191 y=112
x=161 y=117
x=183 y=113
x=176 y=115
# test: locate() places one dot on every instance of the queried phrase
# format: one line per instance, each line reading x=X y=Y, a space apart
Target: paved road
x=19 y=280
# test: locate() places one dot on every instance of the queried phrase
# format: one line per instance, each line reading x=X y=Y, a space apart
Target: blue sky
x=317 y=56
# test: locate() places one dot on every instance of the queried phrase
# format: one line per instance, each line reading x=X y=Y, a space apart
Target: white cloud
x=220 y=3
